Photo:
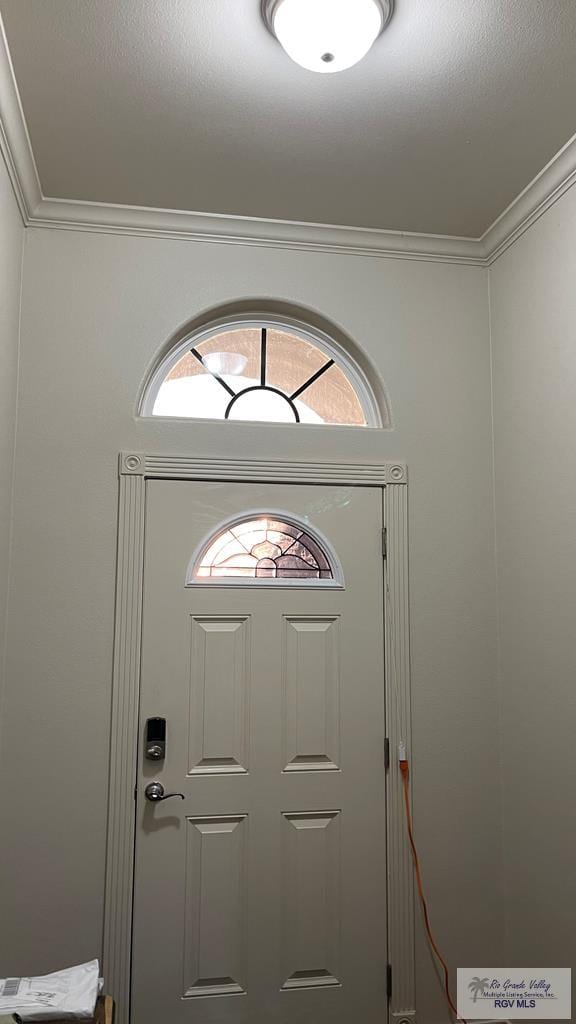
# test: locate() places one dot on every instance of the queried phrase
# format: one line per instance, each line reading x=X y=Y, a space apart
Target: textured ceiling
x=192 y=105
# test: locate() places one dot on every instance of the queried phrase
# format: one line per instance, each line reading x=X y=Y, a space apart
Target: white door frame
x=137 y=467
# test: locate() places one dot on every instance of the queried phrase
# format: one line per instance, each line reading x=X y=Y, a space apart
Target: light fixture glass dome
x=328 y=35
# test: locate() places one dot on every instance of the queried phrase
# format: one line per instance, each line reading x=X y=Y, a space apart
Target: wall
x=533 y=304
x=11 y=244
x=96 y=310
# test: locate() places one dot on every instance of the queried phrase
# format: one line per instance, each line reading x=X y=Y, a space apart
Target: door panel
x=260 y=897
x=311 y=712
x=219 y=694
x=215 y=892
x=311 y=899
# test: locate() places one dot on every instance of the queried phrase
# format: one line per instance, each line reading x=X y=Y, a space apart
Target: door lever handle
x=155 y=793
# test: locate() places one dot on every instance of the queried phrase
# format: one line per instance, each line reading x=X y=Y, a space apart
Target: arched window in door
x=262 y=371
x=265 y=548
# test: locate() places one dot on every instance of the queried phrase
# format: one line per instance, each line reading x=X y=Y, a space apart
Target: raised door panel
x=214 y=901
x=219 y=695
x=311 y=899
x=311 y=711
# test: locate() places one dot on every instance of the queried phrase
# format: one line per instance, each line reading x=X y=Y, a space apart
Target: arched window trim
x=337 y=583
x=327 y=344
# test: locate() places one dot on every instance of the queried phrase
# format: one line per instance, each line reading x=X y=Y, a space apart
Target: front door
x=260 y=894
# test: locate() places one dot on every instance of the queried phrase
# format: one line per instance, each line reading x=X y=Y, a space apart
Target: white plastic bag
x=65 y=995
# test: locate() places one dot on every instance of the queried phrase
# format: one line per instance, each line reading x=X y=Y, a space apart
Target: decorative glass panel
x=264 y=548
x=257 y=373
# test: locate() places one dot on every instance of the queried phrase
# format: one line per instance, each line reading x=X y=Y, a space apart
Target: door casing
x=134 y=469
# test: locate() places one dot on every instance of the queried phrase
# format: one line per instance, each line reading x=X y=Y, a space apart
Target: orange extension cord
x=406 y=788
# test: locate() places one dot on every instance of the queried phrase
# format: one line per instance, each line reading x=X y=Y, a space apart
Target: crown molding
x=40 y=211
x=136 y=220
x=540 y=194
x=14 y=139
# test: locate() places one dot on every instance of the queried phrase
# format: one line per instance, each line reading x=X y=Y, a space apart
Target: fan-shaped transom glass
x=263 y=548
x=262 y=373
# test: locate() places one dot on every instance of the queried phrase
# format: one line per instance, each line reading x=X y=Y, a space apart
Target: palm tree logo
x=478 y=986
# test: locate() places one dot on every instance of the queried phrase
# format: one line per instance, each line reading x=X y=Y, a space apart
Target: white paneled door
x=260 y=896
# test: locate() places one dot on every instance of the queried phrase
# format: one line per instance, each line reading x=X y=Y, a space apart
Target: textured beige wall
x=96 y=310
x=533 y=303
x=11 y=243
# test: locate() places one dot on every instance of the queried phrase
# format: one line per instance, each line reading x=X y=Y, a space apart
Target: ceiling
x=192 y=105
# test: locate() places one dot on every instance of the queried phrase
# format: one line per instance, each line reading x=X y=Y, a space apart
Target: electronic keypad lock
x=155 y=744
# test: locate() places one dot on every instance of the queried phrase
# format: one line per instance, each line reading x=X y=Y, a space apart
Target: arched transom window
x=261 y=372
x=265 y=548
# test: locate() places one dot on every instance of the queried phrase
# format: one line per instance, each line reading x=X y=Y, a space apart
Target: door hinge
x=384 y=542
x=389 y=980
x=386 y=753
x=135 y=792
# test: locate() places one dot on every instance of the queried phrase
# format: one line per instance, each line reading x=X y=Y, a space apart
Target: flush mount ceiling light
x=327 y=35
